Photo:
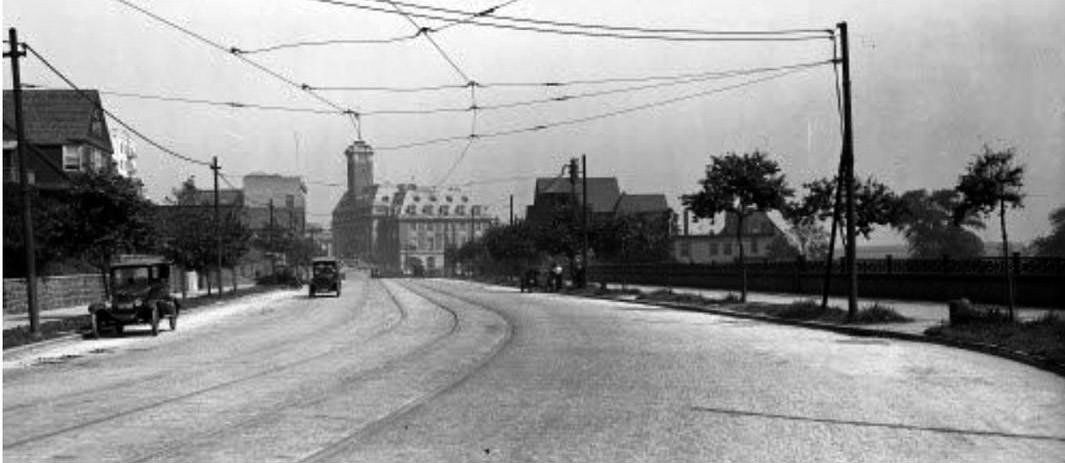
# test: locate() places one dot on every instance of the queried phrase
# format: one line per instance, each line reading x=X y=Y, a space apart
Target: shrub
x=877 y=313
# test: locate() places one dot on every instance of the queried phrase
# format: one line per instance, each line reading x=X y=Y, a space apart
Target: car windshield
x=324 y=268
x=130 y=277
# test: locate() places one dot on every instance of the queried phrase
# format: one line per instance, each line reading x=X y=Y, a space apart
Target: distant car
x=139 y=292
x=534 y=279
x=325 y=276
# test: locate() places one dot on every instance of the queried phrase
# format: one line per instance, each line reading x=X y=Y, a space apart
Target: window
x=475 y=210
x=290 y=201
x=685 y=249
x=460 y=210
x=443 y=210
x=727 y=249
x=71 y=158
x=427 y=210
x=754 y=246
x=412 y=209
x=713 y=249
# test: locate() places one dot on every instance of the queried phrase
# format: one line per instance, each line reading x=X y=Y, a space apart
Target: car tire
x=95 y=321
x=155 y=320
x=119 y=328
x=173 y=320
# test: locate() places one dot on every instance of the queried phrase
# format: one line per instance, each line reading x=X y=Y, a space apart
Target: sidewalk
x=23 y=319
x=924 y=314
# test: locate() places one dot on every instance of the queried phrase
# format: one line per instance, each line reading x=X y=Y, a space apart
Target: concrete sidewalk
x=15 y=320
x=924 y=314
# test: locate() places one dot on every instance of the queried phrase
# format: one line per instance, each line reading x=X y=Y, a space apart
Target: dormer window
x=443 y=210
x=427 y=210
x=412 y=209
x=460 y=210
x=449 y=198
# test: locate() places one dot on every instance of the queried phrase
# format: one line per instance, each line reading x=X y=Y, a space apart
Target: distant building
x=125 y=153
x=275 y=199
x=69 y=130
x=551 y=194
x=401 y=227
x=719 y=245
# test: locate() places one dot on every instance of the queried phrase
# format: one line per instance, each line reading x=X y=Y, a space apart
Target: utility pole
x=848 y=163
x=270 y=238
x=217 y=226
x=24 y=187
x=573 y=202
x=512 y=209
x=584 y=220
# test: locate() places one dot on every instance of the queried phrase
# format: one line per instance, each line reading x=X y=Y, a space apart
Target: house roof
x=57 y=117
x=603 y=192
x=641 y=204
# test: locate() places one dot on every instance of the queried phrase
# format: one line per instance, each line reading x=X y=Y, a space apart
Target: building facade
x=401 y=227
x=125 y=153
x=719 y=244
x=277 y=200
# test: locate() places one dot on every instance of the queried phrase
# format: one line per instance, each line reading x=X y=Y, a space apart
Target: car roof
x=324 y=259
x=139 y=263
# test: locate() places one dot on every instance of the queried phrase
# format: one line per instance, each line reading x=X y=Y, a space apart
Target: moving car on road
x=139 y=292
x=325 y=276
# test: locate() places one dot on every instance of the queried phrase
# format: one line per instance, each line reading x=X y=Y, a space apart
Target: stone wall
x=54 y=292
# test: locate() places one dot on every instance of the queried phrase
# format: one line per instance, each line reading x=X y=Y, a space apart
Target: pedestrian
x=556 y=276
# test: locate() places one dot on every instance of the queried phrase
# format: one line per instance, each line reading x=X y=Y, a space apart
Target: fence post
x=888 y=262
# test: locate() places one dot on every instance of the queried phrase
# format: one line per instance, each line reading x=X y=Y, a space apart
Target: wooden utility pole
x=24 y=187
x=217 y=226
x=512 y=209
x=584 y=220
x=848 y=165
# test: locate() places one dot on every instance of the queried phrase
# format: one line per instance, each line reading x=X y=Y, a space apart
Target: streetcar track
x=334 y=449
x=182 y=397
x=110 y=388
x=360 y=375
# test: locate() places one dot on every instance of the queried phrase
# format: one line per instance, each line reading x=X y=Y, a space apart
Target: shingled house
x=68 y=129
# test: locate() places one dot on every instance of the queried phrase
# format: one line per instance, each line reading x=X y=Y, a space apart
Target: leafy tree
x=928 y=225
x=192 y=237
x=632 y=238
x=874 y=204
x=740 y=185
x=992 y=181
x=805 y=226
x=512 y=246
x=780 y=248
x=1053 y=245
x=50 y=211
x=109 y=217
x=560 y=235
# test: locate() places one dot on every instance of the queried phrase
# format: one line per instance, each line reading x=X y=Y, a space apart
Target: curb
x=1036 y=361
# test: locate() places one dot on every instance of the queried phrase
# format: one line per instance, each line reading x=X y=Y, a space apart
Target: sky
x=933 y=82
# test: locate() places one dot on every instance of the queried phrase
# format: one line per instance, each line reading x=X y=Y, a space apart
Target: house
x=551 y=194
x=719 y=244
x=68 y=130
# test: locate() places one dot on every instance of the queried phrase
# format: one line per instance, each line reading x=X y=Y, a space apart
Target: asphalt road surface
x=433 y=370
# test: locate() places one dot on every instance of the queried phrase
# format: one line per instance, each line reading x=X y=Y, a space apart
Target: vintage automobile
x=326 y=276
x=138 y=292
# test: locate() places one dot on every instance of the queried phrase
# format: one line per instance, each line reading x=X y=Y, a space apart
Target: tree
x=740 y=185
x=1052 y=245
x=192 y=240
x=992 y=181
x=781 y=249
x=805 y=226
x=928 y=225
x=875 y=204
x=110 y=217
x=632 y=238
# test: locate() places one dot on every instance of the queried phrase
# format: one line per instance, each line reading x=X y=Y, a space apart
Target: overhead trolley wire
x=237 y=54
x=718 y=36
x=597 y=116
x=113 y=117
x=543 y=22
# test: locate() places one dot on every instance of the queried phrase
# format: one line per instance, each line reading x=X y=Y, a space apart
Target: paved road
x=447 y=371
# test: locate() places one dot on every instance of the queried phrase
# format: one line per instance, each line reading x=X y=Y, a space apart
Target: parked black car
x=139 y=292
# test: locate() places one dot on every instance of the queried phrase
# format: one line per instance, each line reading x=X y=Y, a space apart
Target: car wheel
x=155 y=320
x=173 y=320
x=119 y=328
x=95 y=321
